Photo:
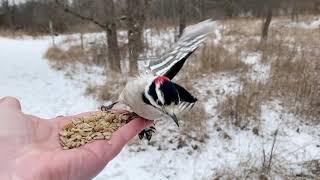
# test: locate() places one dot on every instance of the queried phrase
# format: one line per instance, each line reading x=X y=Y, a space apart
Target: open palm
x=30 y=147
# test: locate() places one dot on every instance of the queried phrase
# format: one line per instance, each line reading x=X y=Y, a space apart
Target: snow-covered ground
x=42 y=91
x=25 y=74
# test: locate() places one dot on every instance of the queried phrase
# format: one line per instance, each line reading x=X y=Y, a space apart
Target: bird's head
x=162 y=94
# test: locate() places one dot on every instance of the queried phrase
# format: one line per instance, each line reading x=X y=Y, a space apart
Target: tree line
x=35 y=14
x=109 y=15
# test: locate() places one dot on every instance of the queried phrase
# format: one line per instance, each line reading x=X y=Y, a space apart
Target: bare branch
x=78 y=15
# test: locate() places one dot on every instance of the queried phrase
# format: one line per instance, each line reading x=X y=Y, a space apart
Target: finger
x=10 y=102
x=98 y=153
x=107 y=150
x=121 y=137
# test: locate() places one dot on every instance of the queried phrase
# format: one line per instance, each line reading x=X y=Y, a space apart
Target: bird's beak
x=175 y=119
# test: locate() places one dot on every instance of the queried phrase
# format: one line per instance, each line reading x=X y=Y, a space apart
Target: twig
x=272 y=149
x=86 y=18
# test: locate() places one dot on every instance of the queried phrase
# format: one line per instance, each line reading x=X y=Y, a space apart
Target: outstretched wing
x=187 y=100
x=171 y=63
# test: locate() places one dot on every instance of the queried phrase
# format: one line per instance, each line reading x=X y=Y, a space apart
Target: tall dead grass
x=10 y=33
x=194 y=125
x=110 y=90
x=295 y=79
x=19 y=33
x=244 y=107
x=293 y=55
x=215 y=58
x=60 y=58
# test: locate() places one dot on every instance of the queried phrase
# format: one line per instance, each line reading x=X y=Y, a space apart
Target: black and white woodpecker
x=153 y=95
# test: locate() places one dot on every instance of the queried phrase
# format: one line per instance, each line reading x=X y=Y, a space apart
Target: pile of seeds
x=97 y=126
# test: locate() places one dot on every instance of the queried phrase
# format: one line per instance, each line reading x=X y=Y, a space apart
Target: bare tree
x=267 y=21
x=112 y=39
x=182 y=15
x=6 y=13
x=229 y=7
x=294 y=11
x=108 y=25
x=3 y=12
x=136 y=17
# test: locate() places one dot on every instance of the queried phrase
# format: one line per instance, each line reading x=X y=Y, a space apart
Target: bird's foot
x=147 y=133
x=107 y=108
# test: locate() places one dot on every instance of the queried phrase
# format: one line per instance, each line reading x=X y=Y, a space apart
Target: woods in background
x=65 y=16
x=34 y=15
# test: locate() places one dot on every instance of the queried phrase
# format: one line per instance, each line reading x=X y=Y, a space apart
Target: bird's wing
x=187 y=100
x=171 y=63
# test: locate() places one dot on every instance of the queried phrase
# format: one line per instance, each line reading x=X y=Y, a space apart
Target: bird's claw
x=109 y=107
x=104 y=108
x=147 y=133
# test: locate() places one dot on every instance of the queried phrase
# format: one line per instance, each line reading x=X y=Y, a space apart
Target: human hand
x=30 y=149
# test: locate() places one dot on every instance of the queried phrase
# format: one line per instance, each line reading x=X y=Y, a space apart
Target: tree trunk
x=182 y=16
x=109 y=26
x=52 y=33
x=294 y=12
x=265 y=28
x=136 y=15
x=112 y=38
x=229 y=8
x=81 y=41
x=113 y=49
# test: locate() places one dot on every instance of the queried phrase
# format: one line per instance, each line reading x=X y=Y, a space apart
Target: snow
x=45 y=92
x=42 y=91
x=259 y=71
x=307 y=25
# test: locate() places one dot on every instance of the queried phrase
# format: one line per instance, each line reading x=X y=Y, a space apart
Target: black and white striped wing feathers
x=171 y=63
x=187 y=100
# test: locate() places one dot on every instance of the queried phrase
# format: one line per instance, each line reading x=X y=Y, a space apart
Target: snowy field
x=42 y=91
x=45 y=92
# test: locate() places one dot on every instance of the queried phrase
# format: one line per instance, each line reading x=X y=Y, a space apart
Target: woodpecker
x=153 y=95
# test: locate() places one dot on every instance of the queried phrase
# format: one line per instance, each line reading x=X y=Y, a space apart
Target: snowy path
x=42 y=91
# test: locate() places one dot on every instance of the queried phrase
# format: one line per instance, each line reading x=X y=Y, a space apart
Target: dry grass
x=19 y=33
x=293 y=54
x=10 y=33
x=215 y=58
x=84 y=28
x=245 y=172
x=194 y=123
x=313 y=167
x=242 y=27
x=60 y=58
x=245 y=107
x=296 y=80
x=110 y=90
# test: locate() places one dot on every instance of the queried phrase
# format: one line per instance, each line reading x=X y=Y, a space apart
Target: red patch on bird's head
x=160 y=79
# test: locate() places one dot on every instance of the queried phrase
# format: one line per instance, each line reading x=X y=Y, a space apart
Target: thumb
x=97 y=154
x=10 y=102
x=107 y=150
